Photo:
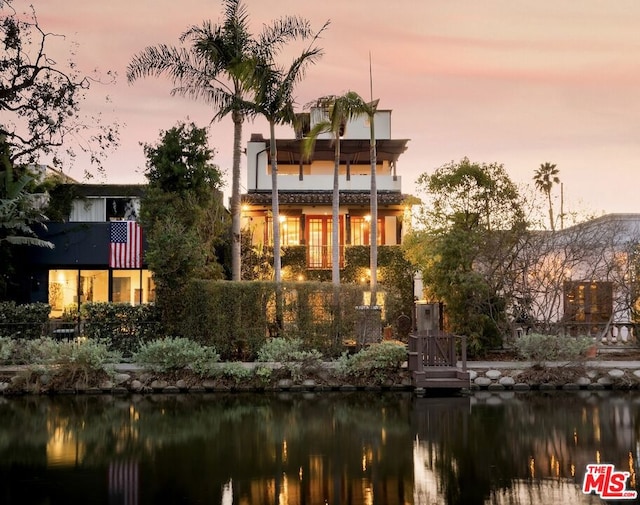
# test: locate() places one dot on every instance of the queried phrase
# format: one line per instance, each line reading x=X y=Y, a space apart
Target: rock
x=136 y=385
x=106 y=385
x=482 y=381
x=473 y=374
x=521 y=386
x=495 y=387
x=493 y=374
x=605 y=381
x=616 y=374
x=285 y=383
x=309 y=383
x=507 y=381
x=181 y=384
x=159 y=384
x=583 y=381
x=121 y=378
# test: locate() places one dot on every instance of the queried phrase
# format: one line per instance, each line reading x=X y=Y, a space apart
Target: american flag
x=125 y=245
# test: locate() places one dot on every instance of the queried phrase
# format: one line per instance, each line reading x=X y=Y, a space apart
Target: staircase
x=441 y=378
x=433 y=361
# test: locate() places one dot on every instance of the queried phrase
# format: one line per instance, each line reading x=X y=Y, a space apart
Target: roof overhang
x=351 y=150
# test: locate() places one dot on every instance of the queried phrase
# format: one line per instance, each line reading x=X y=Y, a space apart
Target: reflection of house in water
x=527 y=454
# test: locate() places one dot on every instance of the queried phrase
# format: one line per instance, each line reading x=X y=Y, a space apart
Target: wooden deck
x=433 y=361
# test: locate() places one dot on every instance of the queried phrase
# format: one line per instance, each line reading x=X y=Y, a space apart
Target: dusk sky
x=509 y=81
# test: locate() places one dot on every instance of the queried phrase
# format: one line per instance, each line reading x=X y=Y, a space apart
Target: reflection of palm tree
x=215 y=70
x=545 y=177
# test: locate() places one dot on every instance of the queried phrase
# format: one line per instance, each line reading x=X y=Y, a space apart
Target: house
x=305 y=189
x=99 y=250
x=586 y=278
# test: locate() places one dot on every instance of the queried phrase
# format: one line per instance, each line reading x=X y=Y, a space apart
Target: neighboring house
x=98 y=254
x=305 y=189
x=586 y=278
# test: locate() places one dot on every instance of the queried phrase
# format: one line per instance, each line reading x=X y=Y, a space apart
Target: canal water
x=316 y=448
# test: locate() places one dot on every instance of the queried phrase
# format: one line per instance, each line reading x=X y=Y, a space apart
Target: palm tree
x=214 y=69
x=341 y=110
x=274 y=99
x=274 y=87
x=545 y=177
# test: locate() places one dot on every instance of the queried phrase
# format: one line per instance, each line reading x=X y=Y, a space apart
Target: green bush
x=285 y=349
x=375 y=361
x=7 y=346
x=125 y=326
x=169 y=353
x=539 y=347
x=236 y=372
x=23 y=321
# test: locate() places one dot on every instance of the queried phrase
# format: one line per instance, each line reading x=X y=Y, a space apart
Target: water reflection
x=360 y=448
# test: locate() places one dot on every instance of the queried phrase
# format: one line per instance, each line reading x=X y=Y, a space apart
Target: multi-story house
x=98 y=253
x=305 y=188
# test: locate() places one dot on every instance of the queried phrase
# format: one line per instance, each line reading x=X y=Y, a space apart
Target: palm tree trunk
x=553 y=228
x=373 y=265
x=236 y=210
x=335 y=227
x=275 y=211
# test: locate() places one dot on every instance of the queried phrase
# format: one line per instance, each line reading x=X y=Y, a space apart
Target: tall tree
x=181 y=214
x=341 y=109
x=213 y=68
x=545 y=177
x=40 y=99
x=471 y=234
x=274 y=87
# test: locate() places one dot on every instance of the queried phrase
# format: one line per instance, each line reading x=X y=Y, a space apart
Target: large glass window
x=94 y=286
x=69 y=287
x=289 y=231
x=63 y=291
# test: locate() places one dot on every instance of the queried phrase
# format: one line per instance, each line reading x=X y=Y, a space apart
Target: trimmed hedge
x=125 y=326
x=238 y=317
x=23 y=321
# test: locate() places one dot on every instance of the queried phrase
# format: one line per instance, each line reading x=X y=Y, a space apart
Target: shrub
x=23 y=321
x=170 y=353
x=539 y=347
x=7 y=346
x=375 y=361
x=236 y=372
x=289 y=352
x=284 y=350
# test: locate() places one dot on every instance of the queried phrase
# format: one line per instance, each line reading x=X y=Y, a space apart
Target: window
x=360 y=230
x=289 y=231
x=319 y=242
x=588 y=302
x=69 y=287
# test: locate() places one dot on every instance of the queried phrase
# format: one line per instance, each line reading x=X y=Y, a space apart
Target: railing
x=605 y=333
x=438 y=349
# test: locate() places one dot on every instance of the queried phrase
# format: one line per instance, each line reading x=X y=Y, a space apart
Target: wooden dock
x=433 y=361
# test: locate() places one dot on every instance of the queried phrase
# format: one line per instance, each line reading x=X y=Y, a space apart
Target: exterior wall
x=358 y=127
